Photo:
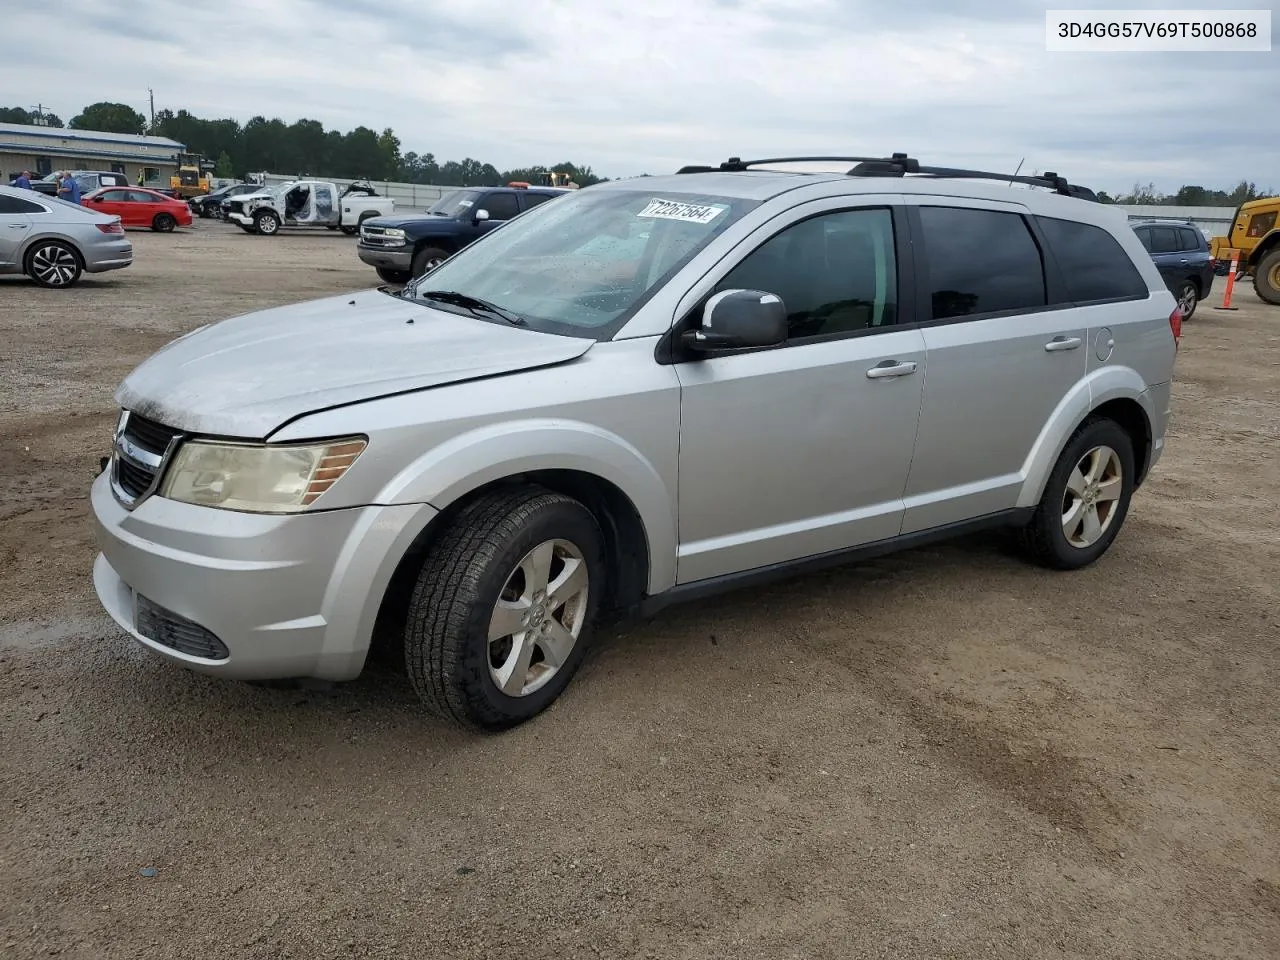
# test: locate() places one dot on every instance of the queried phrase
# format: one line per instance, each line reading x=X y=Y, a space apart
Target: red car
x=137 y=207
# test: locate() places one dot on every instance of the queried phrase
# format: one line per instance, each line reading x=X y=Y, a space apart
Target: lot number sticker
x=675 y=210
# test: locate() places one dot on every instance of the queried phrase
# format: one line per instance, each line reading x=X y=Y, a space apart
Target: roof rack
x=899 y=165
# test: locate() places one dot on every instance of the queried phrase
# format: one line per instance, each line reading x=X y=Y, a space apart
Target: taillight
x=1175 y=324
x=114 y=227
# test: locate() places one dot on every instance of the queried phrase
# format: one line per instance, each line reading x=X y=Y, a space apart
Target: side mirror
x=482 y=215
x=737 y=319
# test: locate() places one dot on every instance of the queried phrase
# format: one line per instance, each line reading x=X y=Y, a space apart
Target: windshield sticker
x=464 y=203
x=675 y=210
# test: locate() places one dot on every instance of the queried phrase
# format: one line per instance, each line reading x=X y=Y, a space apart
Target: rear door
x=15 y=226
x=144 y=206
x=1000 y=358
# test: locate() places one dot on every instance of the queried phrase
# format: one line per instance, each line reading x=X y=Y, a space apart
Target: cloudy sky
x=649 y=85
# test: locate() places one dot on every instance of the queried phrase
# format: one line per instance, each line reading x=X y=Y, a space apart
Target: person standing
x=68 y=189
x=22 y=180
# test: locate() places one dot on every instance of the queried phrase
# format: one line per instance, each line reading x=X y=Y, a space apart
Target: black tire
x=1266 y=277
x=394 y=276
x=1188 y=299
x=163 y=223
x=1044 y=538
x=446 y=638
x=246 y=229
x=266 y=223
x=428 y=258
x=53 y=264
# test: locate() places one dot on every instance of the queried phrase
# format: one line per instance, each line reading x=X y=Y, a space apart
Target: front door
x=803 y=449
x=501 y=206
x=1000 y=360
x=116 y=203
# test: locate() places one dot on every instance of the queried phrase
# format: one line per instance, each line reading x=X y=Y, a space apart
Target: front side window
x=501 y=206
x=836 y=273
x=1260 y=224
x=981 y=261
x=583 y=265
x=115 y=196
x=1094 y=265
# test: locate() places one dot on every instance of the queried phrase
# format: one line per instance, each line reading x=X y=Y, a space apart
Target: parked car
x=87 y=180
x=1181 y=253
x=53 y=242
x=405 y=246
x=307 y=203
x=141 y=208
x=560 y=422
x=210 y=204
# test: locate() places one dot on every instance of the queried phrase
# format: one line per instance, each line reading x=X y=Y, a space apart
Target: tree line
x=304 y=147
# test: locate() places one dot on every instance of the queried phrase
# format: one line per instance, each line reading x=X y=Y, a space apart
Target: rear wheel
x=427 y=259
x=1266 y=277
x=394 y=276
x=163 y=223
x=52 y=263
x=1188 y=298
x=499 y=618
x=1085 y=500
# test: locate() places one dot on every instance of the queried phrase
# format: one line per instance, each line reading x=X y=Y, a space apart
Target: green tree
x=389 y=147
x=109 y=118
x=23 y=115
x=225 y=168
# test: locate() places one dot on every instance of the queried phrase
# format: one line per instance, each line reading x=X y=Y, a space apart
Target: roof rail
x=899 y=165
x=898 y=162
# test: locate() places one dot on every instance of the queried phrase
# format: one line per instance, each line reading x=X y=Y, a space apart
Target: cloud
x=631 y=88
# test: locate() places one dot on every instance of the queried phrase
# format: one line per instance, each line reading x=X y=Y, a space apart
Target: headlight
x=393 y=232
x=258 y=478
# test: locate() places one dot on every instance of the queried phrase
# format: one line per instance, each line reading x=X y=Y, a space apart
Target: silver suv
x=652 y=389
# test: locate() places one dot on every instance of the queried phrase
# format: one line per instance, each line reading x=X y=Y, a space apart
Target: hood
x=246 y=376
x=417 y=221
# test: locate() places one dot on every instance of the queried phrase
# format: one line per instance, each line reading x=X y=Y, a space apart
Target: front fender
x=1099 y=387
x=490 y=453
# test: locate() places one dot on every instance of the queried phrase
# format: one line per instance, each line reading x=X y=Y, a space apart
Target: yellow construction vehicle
x=193 y=177
x=1254 y=239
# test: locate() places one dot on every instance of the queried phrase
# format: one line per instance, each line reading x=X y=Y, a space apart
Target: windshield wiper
x=474 y=304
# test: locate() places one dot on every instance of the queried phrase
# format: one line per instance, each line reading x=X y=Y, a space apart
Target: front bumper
x=241 y=218
x=393 y=258
x=284 y=596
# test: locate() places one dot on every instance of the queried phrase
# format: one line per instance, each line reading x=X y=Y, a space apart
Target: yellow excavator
x=194 y=176
x=1254 y=239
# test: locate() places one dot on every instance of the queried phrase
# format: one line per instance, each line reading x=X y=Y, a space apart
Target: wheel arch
x=626 y=544
x=1116 y=393
x=1268 y=243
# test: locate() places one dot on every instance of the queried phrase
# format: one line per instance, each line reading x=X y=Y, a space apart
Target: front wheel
x=163 y=223
x=427 y=259
x=1266 y=277
x=1086 y=499
x=498 y=621
x=394 y=276
x=266 y=223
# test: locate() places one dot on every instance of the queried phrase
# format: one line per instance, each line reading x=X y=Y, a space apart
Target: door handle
x=1062 y=343
x=892 y=368
x=17 y=226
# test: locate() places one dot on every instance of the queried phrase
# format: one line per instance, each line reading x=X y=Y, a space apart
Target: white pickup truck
x=308 y=203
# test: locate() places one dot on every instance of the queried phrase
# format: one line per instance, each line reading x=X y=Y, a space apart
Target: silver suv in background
x=647 y=391
x=54 y=242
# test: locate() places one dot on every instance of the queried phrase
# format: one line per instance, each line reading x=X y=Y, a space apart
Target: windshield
x=452 y=204
x=583 y=265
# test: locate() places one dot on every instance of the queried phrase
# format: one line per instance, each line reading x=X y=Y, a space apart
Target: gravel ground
x=944 y=754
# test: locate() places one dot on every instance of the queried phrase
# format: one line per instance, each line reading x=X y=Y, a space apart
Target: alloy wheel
x=54 y=265
x=1090 y=502
x=538 y=618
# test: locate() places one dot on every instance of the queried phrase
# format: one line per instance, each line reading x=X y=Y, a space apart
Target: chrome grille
x=138 y=455
x=376 y=237
x=177 y=633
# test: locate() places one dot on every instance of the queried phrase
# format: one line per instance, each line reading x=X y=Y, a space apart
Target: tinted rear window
x=981 y=261
x=1094 y=265
x=10 y=204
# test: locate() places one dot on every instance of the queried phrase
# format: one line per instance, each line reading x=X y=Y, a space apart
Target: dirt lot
x=946 y=754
